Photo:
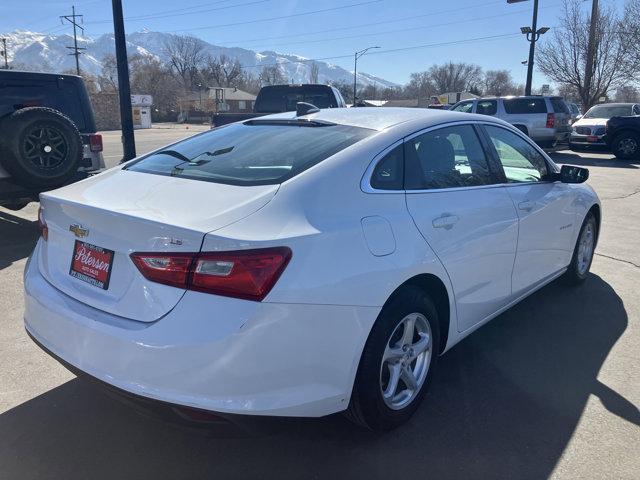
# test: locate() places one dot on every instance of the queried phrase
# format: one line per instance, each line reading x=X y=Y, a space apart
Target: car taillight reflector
x=42 y=225
x=168 y=268
x=95 y=142
x=248 y=274
x=551 y=120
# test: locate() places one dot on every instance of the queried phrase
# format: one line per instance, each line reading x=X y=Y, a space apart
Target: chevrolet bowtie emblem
x=78 y=230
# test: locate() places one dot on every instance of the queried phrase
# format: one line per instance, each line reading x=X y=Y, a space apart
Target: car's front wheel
x=397 y=362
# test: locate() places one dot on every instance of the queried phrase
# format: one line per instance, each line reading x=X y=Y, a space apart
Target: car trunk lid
x=125 y=212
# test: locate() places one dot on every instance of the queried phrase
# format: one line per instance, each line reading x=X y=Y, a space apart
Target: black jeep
x=47 y=134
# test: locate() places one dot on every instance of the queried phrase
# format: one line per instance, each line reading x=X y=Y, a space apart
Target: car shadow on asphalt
x=583 y=160
x=18 y=236
x=504 y=404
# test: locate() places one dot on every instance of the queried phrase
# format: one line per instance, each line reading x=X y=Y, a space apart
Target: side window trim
x=492 y=158
x=496 y=157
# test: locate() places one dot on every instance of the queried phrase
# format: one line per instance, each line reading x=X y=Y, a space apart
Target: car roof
x=619 y=104
x=378 y=118
x=24 y=75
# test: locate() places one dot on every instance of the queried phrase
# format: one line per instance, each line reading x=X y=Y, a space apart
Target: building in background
x=141 y=109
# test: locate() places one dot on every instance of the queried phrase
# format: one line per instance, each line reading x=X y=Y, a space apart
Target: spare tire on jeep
x=40 y=147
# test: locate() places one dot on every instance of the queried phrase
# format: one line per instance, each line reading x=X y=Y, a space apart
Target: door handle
x=445 y=221
x=526 y=206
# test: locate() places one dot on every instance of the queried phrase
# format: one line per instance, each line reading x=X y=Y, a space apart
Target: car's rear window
x=251 y=154
x=525 y=105
x=284 y=98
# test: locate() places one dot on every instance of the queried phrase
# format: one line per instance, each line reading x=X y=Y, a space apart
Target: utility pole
x=124 y=90
x=5 y=53
x=591 y=50
x=72 y=20
x=356 y=56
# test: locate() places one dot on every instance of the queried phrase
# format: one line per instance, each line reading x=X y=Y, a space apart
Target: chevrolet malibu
x=303 y=263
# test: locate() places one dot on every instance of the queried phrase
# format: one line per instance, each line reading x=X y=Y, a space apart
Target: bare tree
x=149 y=76
x=221 y=72
x=631 y=29
x=108 y=78
x=563 y=59
x=627 y=94
x=499 y=83
x=455 y=77
x=419 y=86
x=186 y=56
x=314 y=70
x=271 y=75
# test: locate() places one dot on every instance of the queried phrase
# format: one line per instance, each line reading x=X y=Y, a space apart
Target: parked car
x=623 y=136
x=47 y=134
x=576 y=114
x=303 y=265
x=544 y=119
x=589 y=131
x=284 y=98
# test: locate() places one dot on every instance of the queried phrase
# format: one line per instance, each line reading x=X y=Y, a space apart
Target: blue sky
x=336 y=28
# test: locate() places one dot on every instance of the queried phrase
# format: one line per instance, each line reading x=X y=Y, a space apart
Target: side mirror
x=573 y=174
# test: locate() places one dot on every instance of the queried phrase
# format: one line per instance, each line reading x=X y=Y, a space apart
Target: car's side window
x=636 y=109
x=389 y=172
x=520 y=160
x=464 y=107
x=487 y=107
x=448 y=157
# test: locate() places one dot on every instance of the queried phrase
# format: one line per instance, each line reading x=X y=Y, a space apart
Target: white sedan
x=302 y=264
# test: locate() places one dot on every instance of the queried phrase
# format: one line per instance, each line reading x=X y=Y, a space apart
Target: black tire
x=40 y=148
x=574 y=274
x=626 y=146
x=367 y=407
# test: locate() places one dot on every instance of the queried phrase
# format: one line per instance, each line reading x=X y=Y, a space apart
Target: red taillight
x=551 y=120
x=95 y=142
x=248 y=274
x=42 y=225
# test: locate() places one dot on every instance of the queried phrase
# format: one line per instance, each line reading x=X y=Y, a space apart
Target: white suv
x=546 y=120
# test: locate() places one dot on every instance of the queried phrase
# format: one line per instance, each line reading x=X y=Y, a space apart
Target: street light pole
x=533 y=34
x=356 y=56
x=532 y=47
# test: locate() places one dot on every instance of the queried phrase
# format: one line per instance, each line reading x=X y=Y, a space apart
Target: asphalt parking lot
x=550 y=389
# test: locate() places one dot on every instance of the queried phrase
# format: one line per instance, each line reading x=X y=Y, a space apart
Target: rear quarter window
x=559 y=105
x=260 y=153
x=524 y=105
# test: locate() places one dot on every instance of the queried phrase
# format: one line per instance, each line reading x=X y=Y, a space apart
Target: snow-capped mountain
x=49 y=53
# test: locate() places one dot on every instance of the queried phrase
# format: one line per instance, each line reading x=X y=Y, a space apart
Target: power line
x=406 y=29
x=165 y=14
x=269 y=19
x=76 y=50
x=351 y=27
x=393 y=50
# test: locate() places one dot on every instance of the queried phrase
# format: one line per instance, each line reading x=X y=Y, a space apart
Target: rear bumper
x=211 y=353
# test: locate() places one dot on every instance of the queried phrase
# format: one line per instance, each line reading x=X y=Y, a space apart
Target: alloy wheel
x=406 y=360
x=585 y=248
x=45 y=147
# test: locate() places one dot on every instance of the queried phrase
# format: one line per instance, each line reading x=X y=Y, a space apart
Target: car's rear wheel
x=626 y=146
x=583 y=251
x=41 y=147
x=397 y=362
